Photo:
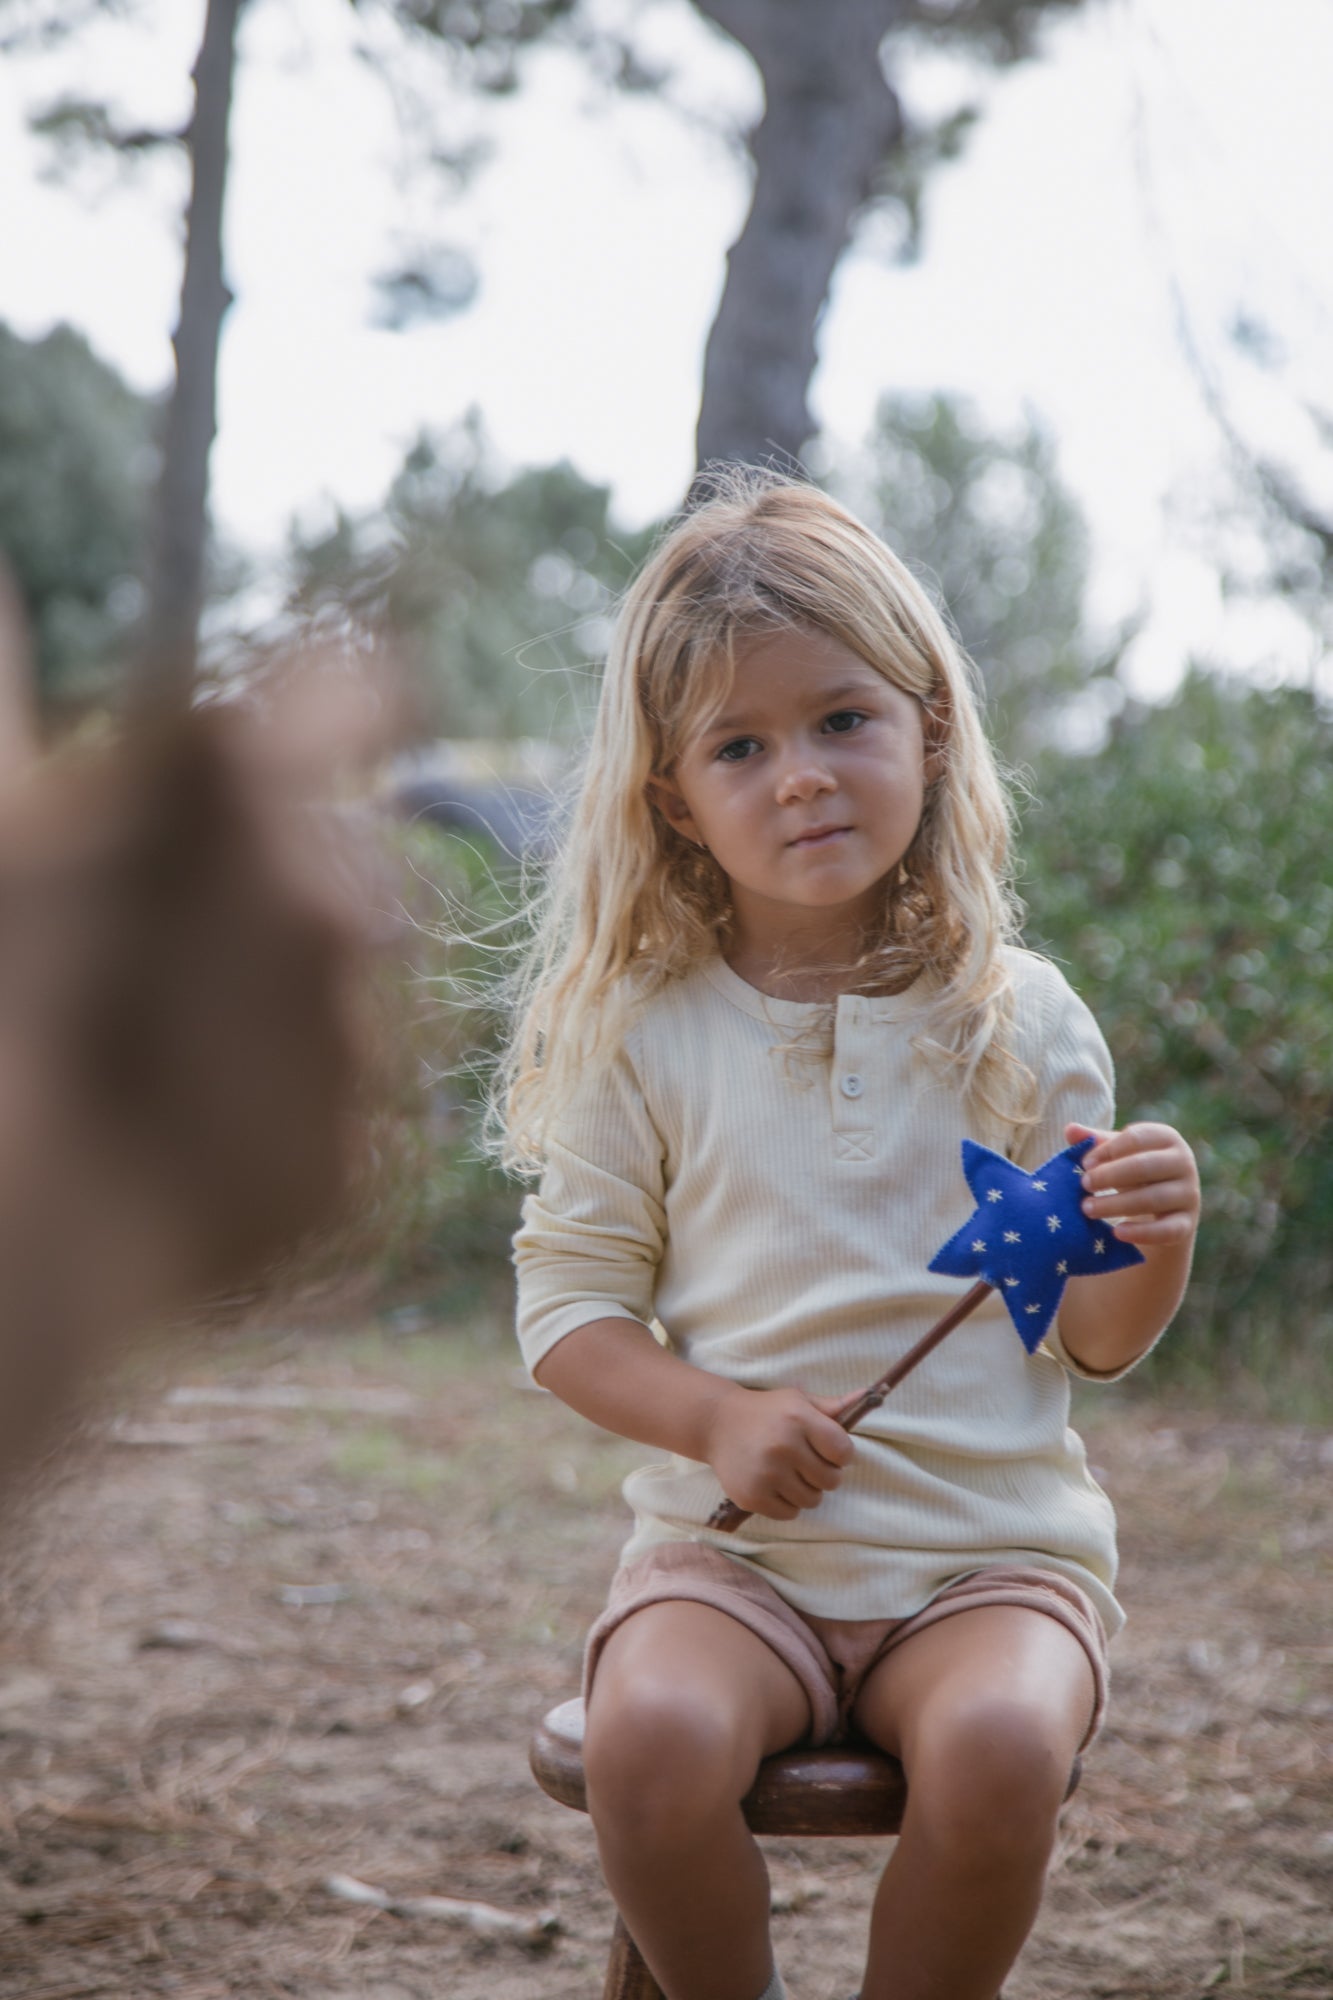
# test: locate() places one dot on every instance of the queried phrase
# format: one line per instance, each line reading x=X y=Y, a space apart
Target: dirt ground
x=296 y=1613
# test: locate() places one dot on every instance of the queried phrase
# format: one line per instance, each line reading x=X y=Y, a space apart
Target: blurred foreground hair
x=631 y=904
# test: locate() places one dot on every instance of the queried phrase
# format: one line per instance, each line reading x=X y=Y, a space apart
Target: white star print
x=1062 y=1269
x=1040 y=1185
x=1099 y=1248
x=994 y=1194
x=1052 y=1223
x=1032 y=1309
x=1012 y=1236
x=978 y=1244
x=1011 y=1282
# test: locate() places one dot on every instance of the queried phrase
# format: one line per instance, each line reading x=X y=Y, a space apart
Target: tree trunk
x=830 y=119
x=178 y=550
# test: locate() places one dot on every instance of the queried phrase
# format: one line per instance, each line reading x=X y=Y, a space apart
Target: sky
x=1161 y=171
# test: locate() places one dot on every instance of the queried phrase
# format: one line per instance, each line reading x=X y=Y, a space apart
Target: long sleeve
x=593 y=1234
x=1075 y=1077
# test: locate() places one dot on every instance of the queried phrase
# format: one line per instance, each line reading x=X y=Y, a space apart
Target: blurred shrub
x=427 y=1232
x=986 y=521
x=451 y=1212
x=1182 y=879
x=496 y=592
x=76 y=465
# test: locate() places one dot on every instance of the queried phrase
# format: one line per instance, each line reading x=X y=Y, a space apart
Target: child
x=774 y=988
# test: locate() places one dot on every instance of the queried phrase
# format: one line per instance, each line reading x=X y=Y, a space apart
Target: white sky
x=1167 y=150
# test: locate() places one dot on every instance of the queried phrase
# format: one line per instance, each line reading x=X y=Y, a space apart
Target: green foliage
x=433 y=1219
x=496 y=593
x=76 y=466
x=80 y=126
x=1182 y=879
x=1000 y=31
x=986 y=520
x=487 y=34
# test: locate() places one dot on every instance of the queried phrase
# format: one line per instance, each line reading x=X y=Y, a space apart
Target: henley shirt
x=766 y=1181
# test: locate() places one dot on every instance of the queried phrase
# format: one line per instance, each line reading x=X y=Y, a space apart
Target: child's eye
x=739 y=748
x=844 y=720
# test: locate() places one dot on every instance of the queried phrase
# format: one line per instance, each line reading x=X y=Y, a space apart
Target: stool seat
x=849 y=1790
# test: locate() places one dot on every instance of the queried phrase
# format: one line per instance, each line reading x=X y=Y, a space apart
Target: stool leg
x=627 y=1977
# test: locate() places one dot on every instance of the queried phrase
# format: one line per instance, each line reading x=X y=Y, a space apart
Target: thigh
x=685 y=1675
x=995 y=1670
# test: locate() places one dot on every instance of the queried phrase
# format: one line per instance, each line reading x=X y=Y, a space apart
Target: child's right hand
x=777 y=1451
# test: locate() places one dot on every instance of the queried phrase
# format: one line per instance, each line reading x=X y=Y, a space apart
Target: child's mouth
x=819 y=836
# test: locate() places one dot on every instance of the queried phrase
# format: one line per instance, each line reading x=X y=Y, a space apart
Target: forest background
x=1174 y=836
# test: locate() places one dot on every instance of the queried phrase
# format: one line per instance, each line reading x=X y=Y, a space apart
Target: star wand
x=1026 y=1237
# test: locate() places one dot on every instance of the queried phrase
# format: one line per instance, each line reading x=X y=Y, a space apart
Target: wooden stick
x=531 y=1928
x=729 y=1516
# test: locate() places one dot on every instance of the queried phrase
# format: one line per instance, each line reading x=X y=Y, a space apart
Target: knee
x=992 y=1782
x=656 y=1758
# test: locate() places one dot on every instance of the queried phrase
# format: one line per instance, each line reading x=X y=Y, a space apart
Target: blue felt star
x=1028 y=1234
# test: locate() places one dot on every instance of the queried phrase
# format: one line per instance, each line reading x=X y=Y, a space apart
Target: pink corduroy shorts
x=831 y=1657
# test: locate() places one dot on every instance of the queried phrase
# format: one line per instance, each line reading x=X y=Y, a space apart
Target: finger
x=1176 y=1227
x=1142 y=1136
x=830 y=1440
x=826 y=1461
x=817 y=1471
x=1096 y=1154
x=1156 y=1198
x=1134 y=1170
x=802 y=1493
x=1075 y=1133
x=794 y=1490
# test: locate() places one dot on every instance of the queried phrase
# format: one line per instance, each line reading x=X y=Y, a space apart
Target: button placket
x=853 y=1135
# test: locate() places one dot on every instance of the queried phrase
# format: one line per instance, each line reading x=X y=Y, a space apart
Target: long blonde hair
x=630 y=904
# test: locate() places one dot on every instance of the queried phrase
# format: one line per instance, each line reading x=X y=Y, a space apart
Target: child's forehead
x=792 y=662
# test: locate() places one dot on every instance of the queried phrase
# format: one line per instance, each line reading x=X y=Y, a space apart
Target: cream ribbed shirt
x=769 y=1180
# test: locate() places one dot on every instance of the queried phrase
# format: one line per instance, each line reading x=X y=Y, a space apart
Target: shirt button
x=852 y=1085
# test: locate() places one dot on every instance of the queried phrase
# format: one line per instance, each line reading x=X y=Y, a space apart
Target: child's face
x=807 y=788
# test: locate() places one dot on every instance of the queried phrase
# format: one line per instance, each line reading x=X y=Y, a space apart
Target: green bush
x=1182 y=878
x=429 y=1224
x=453 y=1211
x=76 y=465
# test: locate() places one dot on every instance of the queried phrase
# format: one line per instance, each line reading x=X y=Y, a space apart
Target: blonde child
x=774 y=987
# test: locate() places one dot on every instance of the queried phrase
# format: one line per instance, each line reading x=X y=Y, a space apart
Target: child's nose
x=803 y=776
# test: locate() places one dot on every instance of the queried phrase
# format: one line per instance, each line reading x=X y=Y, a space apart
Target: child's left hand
x=1144 y=1176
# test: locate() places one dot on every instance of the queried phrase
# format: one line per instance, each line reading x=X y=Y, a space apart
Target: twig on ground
x=362 y=1400
x=483 y=1917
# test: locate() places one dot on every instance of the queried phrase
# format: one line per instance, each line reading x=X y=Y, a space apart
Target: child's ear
x=670 y=803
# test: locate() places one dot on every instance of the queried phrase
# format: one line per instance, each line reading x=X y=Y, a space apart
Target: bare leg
x=685 y=1704
x=986 y=1710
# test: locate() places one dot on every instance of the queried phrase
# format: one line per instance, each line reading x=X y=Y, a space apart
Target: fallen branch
x=484 y=1917
x=162 y=1436
x=363 y=1401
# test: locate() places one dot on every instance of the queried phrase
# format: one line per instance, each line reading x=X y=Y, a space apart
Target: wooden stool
x=850 y=1791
